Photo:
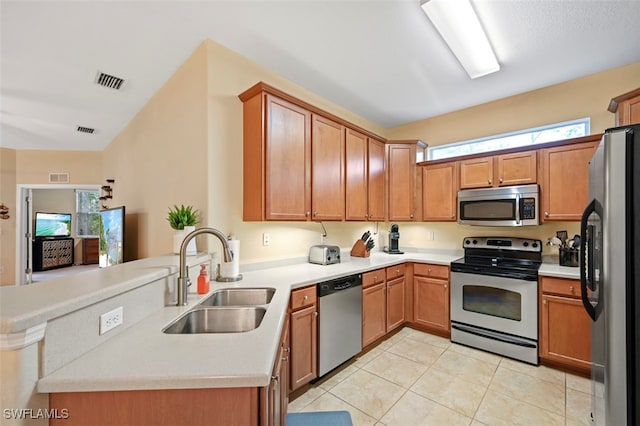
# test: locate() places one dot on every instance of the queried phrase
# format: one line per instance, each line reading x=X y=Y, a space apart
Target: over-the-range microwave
x=505 y=206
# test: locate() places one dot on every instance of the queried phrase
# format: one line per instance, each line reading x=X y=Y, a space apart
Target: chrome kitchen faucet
x=183 y=278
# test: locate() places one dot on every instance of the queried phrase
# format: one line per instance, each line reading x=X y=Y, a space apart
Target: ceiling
x=381 y=59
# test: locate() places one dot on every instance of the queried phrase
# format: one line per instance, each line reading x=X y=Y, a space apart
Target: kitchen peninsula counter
x=143 y=357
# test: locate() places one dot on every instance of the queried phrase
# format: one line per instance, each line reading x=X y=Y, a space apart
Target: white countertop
x=145 y=358
x=25 y=306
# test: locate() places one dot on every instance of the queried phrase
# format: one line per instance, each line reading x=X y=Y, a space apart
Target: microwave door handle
x=517 y=209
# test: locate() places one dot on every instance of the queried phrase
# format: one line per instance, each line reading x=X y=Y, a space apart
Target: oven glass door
x=502 y=304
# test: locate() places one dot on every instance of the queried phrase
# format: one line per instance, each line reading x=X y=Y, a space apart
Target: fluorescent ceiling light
x=459 y=26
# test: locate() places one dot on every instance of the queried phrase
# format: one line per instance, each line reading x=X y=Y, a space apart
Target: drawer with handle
x=395 y=271
x=374 y=277
x=303 y=297
x=561 y=286
x=430 y=270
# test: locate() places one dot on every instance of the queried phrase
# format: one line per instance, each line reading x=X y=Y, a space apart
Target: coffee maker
x=394 y=241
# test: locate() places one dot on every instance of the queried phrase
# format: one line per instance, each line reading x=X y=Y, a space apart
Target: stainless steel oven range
x=494 y=296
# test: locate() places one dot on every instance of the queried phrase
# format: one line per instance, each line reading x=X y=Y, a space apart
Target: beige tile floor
x=415 y=378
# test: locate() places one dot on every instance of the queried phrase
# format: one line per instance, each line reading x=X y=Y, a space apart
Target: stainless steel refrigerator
x=610 y=276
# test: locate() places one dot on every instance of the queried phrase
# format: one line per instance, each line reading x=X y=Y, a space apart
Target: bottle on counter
x=203 y=280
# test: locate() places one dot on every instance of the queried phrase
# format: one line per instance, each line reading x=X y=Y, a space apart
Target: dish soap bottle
x=203 y=280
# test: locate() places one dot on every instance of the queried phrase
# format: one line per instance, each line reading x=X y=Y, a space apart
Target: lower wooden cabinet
x=565 y=327
x=431 y=297
x=303 y=336
x=395 y=303
x=275 y=397
x=374 y=307
x=383 y=298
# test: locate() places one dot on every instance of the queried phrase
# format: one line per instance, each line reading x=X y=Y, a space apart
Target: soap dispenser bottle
x=203 y=280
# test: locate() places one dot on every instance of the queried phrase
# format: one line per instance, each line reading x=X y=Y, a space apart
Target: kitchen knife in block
x=359 y=249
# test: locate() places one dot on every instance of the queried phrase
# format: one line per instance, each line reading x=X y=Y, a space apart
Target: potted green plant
x=183 y=219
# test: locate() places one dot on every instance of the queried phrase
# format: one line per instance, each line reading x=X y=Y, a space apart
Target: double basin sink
x=231 y=310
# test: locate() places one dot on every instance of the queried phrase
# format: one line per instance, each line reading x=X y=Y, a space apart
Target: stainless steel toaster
x=324 y=254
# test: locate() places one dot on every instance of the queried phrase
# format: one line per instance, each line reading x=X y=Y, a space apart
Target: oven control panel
x=503 y=243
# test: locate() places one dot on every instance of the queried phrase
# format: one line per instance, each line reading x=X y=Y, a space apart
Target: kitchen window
x=87 y=213
x=536 y=135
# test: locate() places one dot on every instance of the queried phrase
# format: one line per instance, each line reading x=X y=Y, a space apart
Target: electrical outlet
x=430 y=235
x=111 y=320
x=266 y=239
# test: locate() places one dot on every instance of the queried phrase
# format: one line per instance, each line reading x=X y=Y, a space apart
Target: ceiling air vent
x=85 y=129
x=59 y=177
x=109 y=81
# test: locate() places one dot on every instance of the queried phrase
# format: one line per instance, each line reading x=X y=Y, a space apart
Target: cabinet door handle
x=500 y=180
x=490 y=182
x=285 y=359
x=305 y=297
x=315 y=314
x=544 y=302
x=286 y=350
x=307 y=213
x=546 y=214
x=571 y=288
x=445 y=286
x=411 y=216
x=315 y=212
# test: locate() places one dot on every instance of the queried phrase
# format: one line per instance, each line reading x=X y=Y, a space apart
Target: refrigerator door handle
x=588 y=279
x=586 y=258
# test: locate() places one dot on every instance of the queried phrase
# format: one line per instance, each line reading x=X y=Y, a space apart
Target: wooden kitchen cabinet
x=377 y=205
x=431 y=297
x=274 y=399
x=383 y=302
x=374 y=306
x=565 y=327
x=439 y=192
x=162 y=407
x=396 y=284
x=564 y=174
x=476 y=173
x=303 y=337
x=356 y=181
x=401 y=179
x=626 y=107
x=276 y=159
x=327 y=168
x=518 y=168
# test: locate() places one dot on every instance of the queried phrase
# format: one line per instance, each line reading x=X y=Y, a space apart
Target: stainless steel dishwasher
x=340 y=330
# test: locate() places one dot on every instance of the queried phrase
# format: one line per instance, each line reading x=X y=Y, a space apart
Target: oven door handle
x=494 y=336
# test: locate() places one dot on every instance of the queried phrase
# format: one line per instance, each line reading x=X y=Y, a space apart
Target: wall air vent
x=85 y=129
x=109 y=81
x=58 y=177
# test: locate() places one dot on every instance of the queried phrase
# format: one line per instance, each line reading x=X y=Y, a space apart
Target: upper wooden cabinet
x=301 y=163
x=439 y=192
x=626 y=107
x=327 y=166
x=401 y=179
x=365 y=180
x=564 y=182
x=518 y=168
x=377 y=205
x=276 y=159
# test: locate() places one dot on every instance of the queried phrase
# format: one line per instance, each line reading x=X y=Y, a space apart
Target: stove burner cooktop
x=500 y=256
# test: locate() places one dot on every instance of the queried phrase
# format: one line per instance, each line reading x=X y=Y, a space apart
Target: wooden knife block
x=359 y=249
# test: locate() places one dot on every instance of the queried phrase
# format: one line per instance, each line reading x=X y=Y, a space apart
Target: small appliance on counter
x=394 y=241
x=324 y=254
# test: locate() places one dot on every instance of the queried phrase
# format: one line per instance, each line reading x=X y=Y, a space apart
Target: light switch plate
x=111 y=320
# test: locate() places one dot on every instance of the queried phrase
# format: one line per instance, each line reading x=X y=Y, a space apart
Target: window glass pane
x=550 y=133
x=87 y=213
